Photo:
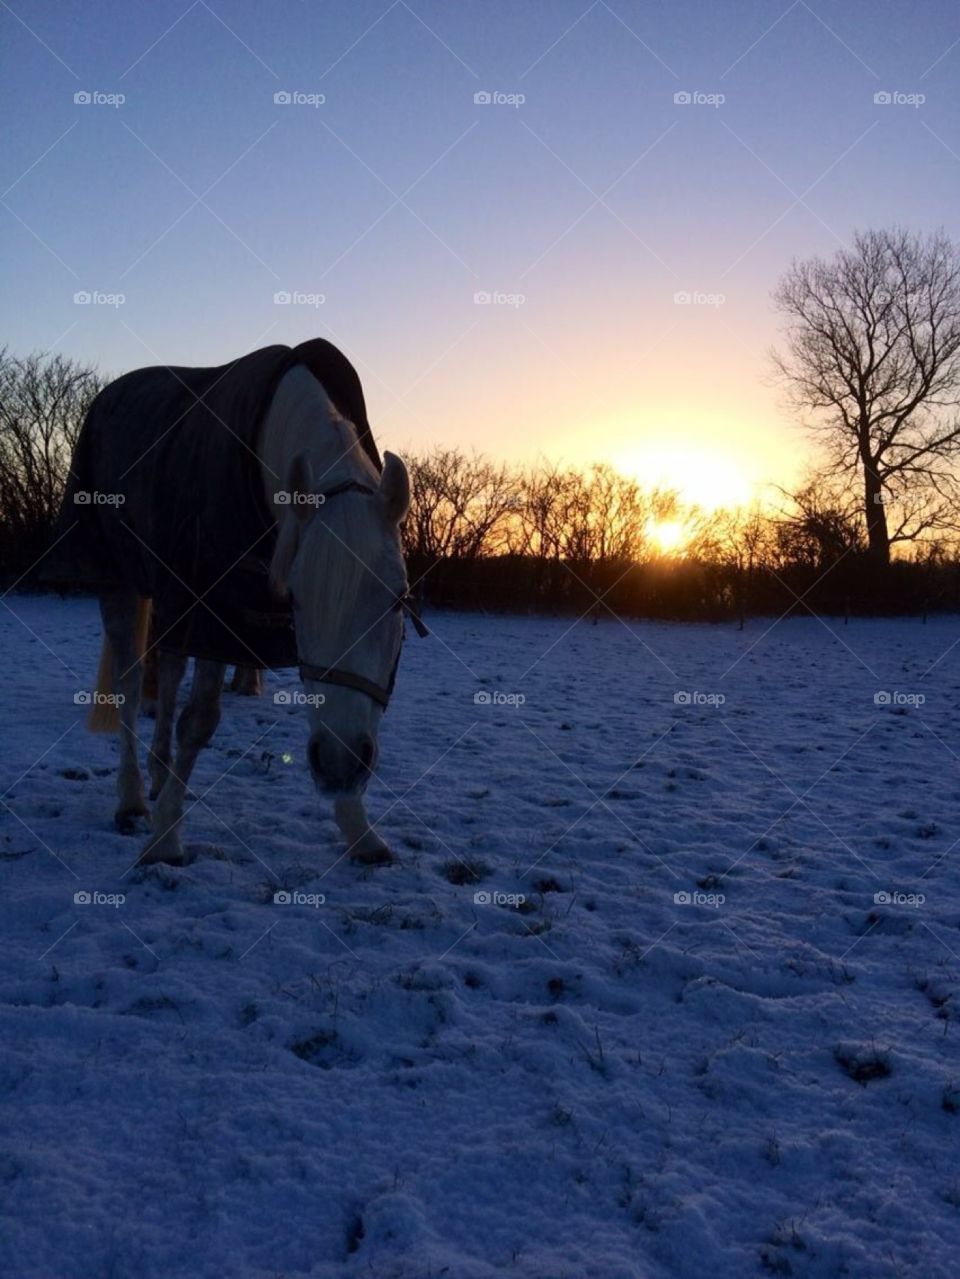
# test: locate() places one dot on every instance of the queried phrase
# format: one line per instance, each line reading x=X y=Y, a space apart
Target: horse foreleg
x=364 y=843
x=196 y=725
x=120 y=613
x=247 y=680
x=169 y=674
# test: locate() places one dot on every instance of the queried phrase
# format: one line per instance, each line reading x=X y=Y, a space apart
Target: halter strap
x=347 y=679
x=348 y=486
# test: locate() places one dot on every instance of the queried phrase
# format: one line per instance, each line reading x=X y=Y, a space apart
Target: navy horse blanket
x=166 y=498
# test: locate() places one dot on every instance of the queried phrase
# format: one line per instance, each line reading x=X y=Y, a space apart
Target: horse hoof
x=162 y=851
x=132 y=821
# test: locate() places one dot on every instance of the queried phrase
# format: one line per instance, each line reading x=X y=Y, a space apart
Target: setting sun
x=667 y=535
x=700 y=476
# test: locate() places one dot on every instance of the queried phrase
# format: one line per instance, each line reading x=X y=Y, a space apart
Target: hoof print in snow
x=324 y=1050
x=534 y=929
x=75 y=774
x=155 y=1006
x=461 y=872
x=248 y=1015
x=548 y=885
x=862 y=1063
x=354 y=1235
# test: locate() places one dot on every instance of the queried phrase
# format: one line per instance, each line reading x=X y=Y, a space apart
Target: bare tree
x=823 y=526
x=460 y=506
x=43 y=401
x=873 y=360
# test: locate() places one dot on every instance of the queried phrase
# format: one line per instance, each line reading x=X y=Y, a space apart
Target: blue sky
x=595 y=200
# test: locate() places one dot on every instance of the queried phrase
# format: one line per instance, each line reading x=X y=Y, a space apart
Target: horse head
x=339 y=557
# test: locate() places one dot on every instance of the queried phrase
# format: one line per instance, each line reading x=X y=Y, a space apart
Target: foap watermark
x=496 y=698
x=494 y=98
x=695 y=98
x=697 y=898
x=297 y=698
x=695 y=297
x=896 y=898
x=293 y=897
x=296 y=497
x=94 y=297
x=294 y=98
x=493 y=897
x=486 y=297
x=94 y=98
x=294 y=297
x=83 y=697
x=894 y=98
x=895 y=698
x=695 y=698
x=93 y=497
x=96 y=898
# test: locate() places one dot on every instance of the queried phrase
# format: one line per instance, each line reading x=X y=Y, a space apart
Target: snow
x=385 y=1076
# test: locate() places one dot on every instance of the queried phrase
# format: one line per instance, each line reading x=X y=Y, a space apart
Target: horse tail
x=104 y=716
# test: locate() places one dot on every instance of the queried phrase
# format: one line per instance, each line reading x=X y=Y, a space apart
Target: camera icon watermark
x=83 y=697
x=695 y=698
x=294 y=297
x=94 y=98
x=896 y=698
x=88 y=297
x=894 y=98
x=694 y=98
x=294 y=98
x=493 y=897
x=494 y=98
x=483 y=698
x=696 y=898
x=295 y=697
x=95 y=898
x=88 y=497
x=696 y=297
x=295 y=497
x=494 y=297
x=896 y=898
x=293 y=897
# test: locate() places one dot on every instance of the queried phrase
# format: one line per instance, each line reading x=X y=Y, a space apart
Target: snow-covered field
x=518 y=1052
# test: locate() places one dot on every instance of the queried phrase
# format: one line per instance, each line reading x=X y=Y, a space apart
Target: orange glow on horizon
x=702 y=476
x=667 y=535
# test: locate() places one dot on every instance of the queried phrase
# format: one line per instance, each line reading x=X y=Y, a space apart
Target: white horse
x=338 y=556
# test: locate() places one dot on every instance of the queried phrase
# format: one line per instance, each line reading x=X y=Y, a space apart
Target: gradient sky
x=399 y=198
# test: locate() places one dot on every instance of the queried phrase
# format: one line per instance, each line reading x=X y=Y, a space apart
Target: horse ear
x=395 y=487
x=299 y=480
